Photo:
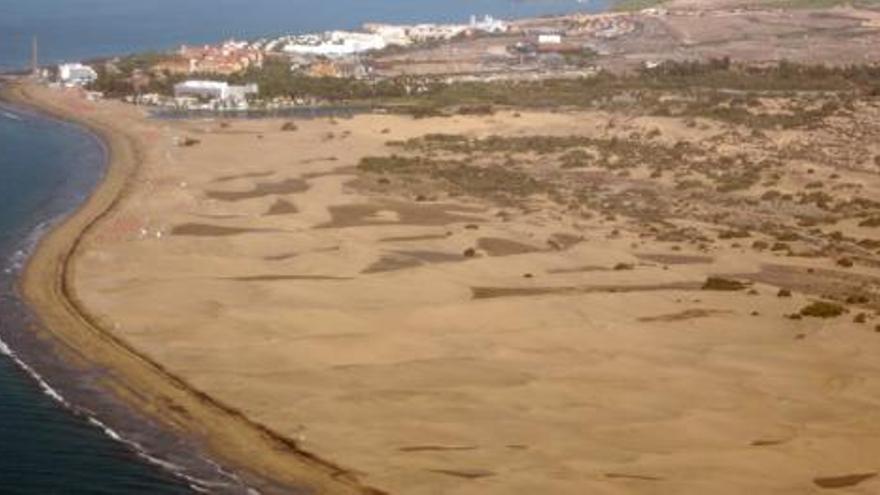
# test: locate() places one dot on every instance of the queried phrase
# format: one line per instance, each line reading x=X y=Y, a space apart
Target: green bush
x=823 y=309
x=723 y=284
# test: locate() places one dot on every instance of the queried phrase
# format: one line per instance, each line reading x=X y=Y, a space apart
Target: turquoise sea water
x=47 y=168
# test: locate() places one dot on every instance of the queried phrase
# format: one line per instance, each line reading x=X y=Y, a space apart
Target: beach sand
x=250 y=290
x=269 y=462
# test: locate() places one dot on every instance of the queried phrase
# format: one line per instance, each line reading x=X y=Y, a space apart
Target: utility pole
x=35 y=61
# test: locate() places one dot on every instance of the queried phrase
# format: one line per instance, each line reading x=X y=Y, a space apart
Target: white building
x=488 y=25
x=549 y=39
x=214 y=90
x=209 y=90
x=76 y=74
x=336 y=44
x=393 y=35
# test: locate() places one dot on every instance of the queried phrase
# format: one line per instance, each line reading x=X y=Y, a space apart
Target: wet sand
x=268 y=461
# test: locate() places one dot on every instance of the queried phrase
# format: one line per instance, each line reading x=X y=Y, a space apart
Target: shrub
x=719 y=283
x=734 y=234
x=783 y=293
x=289 y=127
x=476 y=110
x=575 y=159
x=858 y=299
x=823 y=309
x=870 y=222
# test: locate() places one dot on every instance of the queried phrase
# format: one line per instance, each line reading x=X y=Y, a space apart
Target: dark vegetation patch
x=470 y=474
x=637 y=477
x=436 y=97
x=837 y=285
x=495 y=246
x=400 y=260
x=414 y=238
x=282 y=207
x=822 y=309
x=280 y=257
x=766 y=443
x=283 y=278
x=675 y=259
x=390 y=264
x=497 y=292
x=724 y=284
x=688 y=314
x=562 y=241
x=207 y=230
x=493 y=182
x=843 y=481
x=578 y=269
x=286 y=186
x=436 y=448
x=431 y=256
x=251 y=175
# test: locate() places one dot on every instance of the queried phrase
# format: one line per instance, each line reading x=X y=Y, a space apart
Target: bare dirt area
x=750 y=33
x=658 y=295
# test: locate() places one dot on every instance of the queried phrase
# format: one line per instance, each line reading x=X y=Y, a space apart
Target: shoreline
x=35 y=357
x=268 y=462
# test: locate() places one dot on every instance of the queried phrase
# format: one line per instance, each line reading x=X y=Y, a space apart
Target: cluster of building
x=76 y=74
x=605 y=26
x=333 y=44
x=213 y=95
x=229 y=57
x=379 y=36
x=420 y=33
x=555 y=45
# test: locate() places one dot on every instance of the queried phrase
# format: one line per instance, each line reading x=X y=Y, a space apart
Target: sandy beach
x=270 y=463
x=352 y=332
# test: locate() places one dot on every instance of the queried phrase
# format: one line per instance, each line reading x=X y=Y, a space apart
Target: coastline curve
x=268 y=461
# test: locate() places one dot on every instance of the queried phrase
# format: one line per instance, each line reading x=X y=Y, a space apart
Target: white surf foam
x=196 y=484
x=10 y=115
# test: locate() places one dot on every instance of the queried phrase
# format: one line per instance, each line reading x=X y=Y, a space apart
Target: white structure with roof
x=76 y=74
x=214 y=90
x=336 y=44
x=488 y=24
x=549 y=39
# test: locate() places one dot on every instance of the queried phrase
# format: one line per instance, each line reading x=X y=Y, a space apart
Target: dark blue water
x=75 y=29
x=47 y=167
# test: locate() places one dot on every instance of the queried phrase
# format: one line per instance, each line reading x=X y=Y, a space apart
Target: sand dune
x=358 y=324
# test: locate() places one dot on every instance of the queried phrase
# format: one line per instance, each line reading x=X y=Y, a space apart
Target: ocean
x=69 y=30
x=54 y=437
x=46 y=168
